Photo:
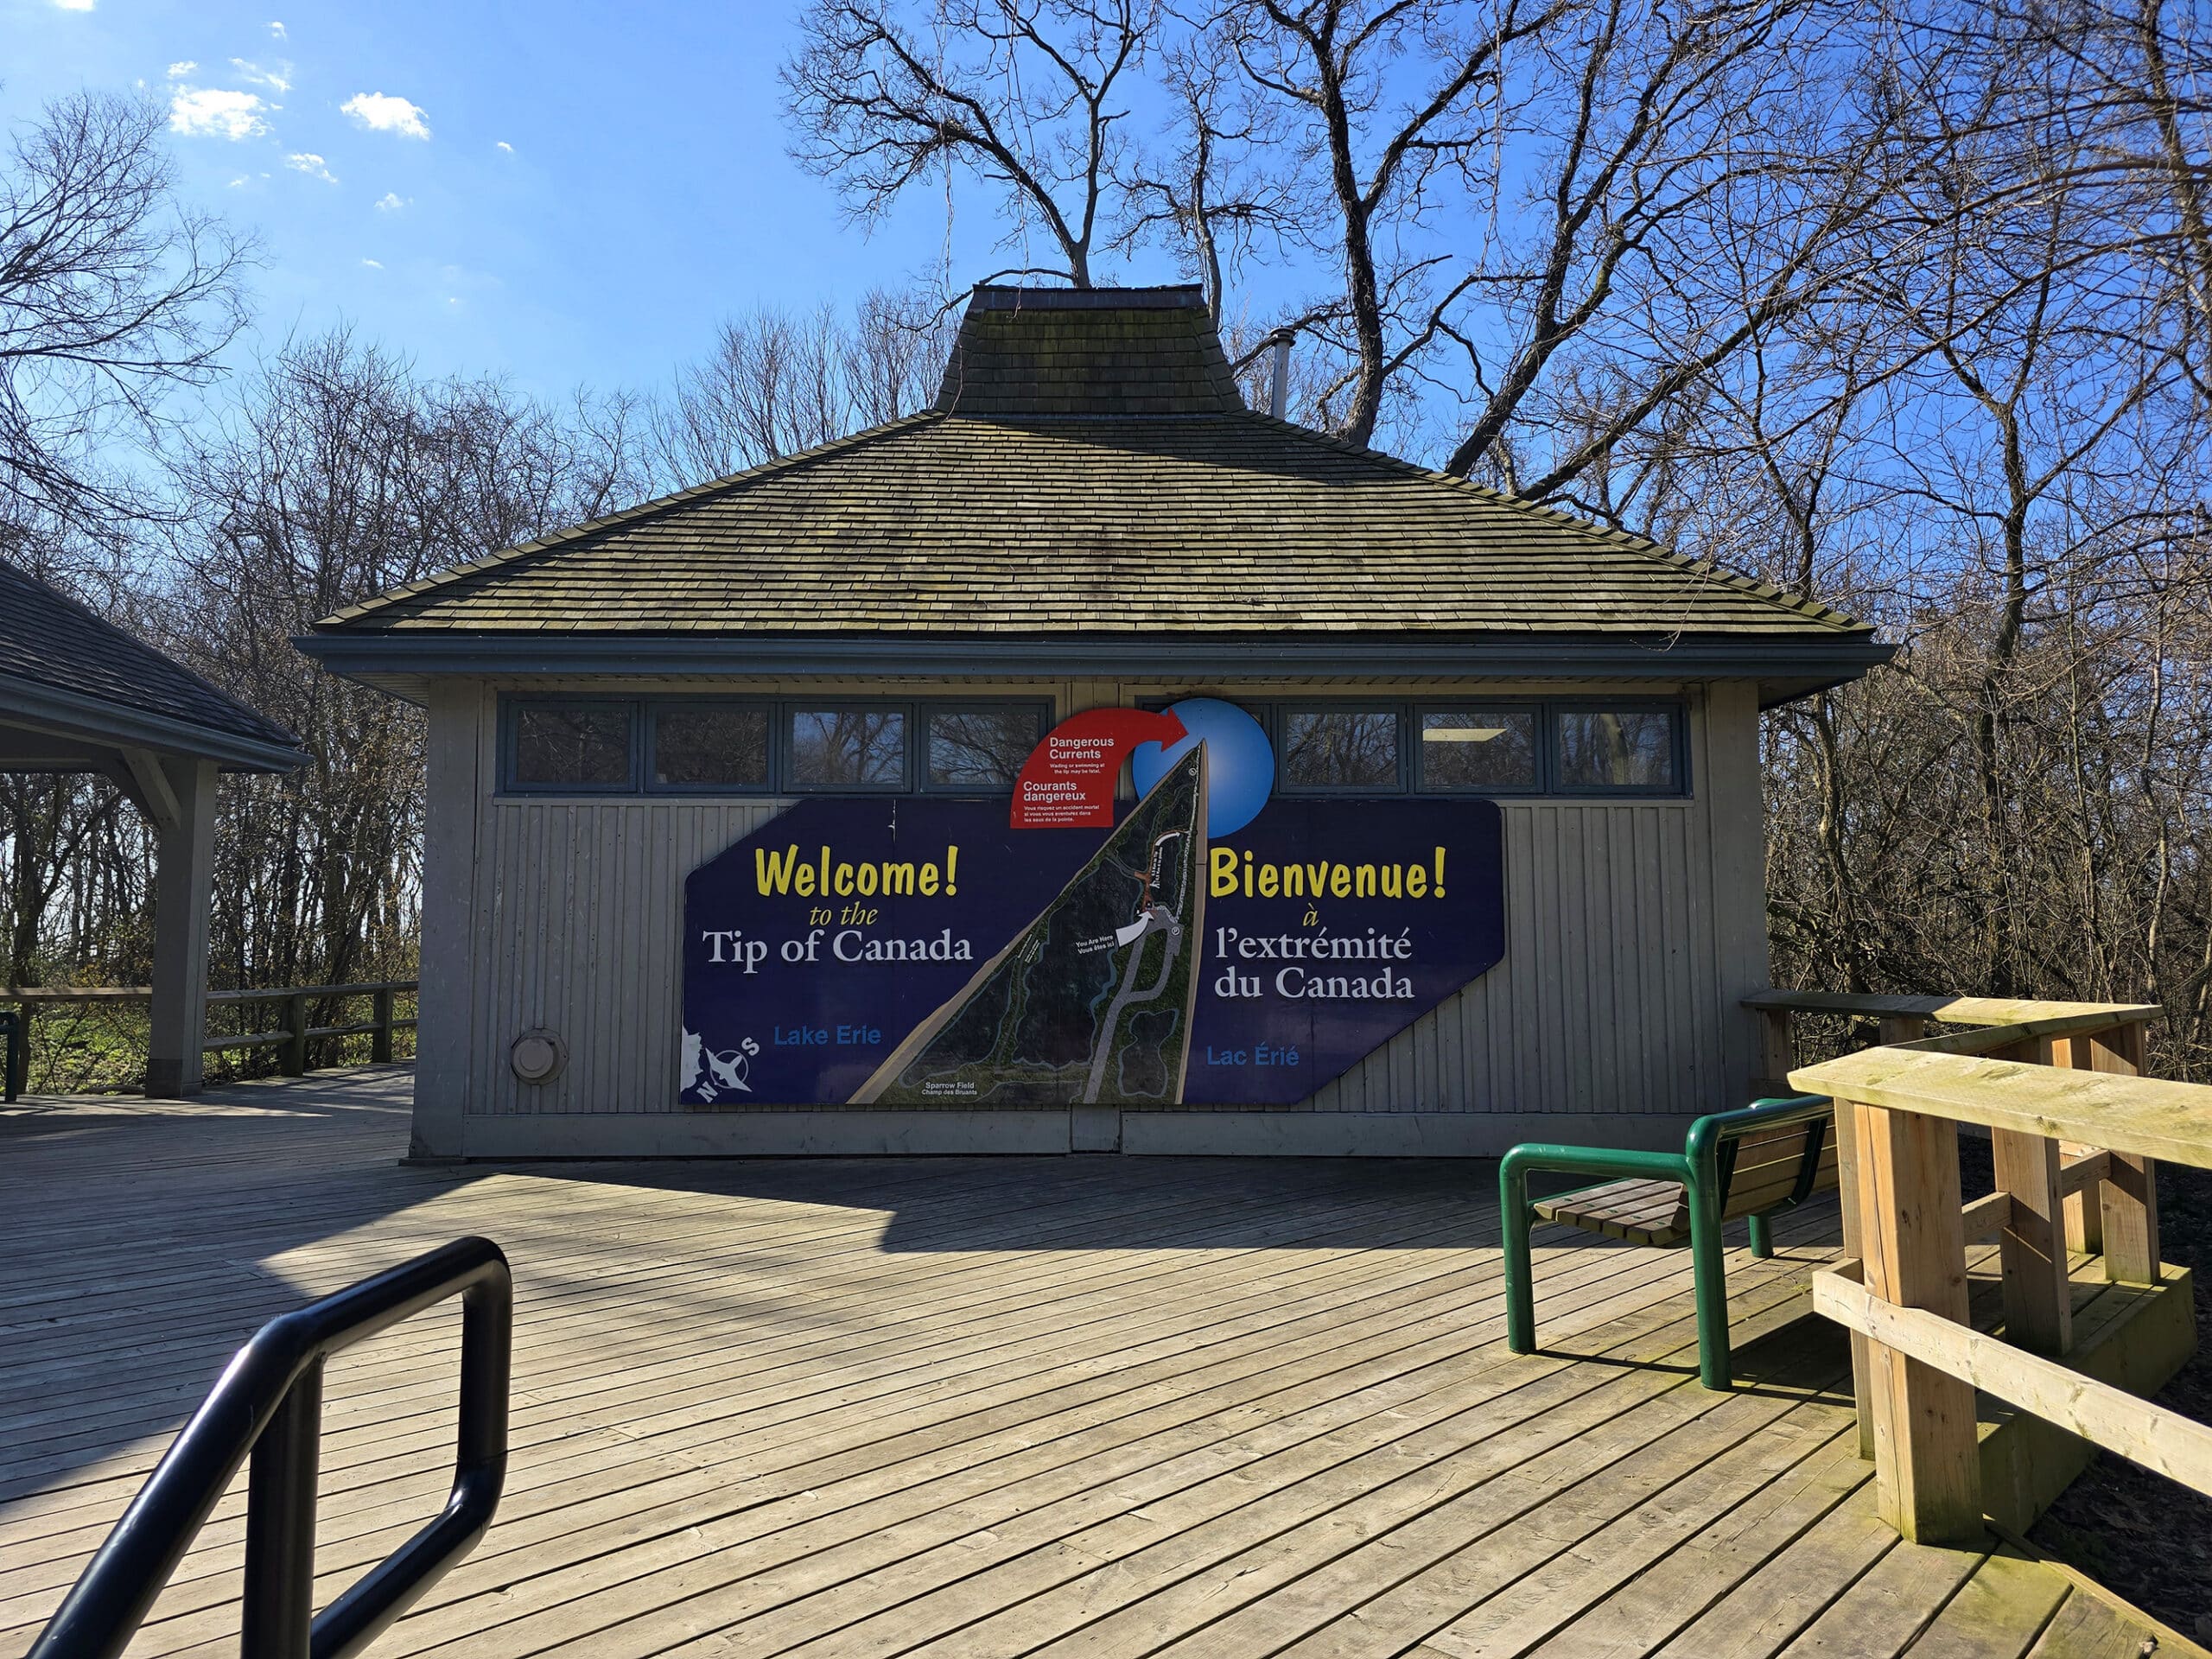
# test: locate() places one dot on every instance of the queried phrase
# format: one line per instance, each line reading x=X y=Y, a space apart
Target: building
x=78 y=694
x=870 y=640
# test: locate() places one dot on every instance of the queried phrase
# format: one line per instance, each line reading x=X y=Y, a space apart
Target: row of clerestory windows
x=737 y=746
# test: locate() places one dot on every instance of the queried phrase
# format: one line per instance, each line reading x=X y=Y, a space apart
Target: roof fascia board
x=120 y=725
x=1135 y=656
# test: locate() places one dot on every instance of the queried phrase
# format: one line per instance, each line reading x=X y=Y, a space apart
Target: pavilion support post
x=183 y=880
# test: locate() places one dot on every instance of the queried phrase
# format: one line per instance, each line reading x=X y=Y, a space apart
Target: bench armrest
x=1609 y=1163
x=1612 y=1162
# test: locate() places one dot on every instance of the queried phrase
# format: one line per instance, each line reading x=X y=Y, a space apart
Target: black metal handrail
x=269 y=1404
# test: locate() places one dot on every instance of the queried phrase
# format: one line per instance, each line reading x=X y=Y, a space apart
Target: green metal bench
x=1741 y=1165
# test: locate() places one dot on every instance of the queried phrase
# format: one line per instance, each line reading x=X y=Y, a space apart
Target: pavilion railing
x=2075 y=1131
x=291 y=1038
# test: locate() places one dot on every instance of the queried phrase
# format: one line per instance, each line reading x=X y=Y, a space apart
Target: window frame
x=788 y=707
x=1279 y=723
x=644 y=709
x=1536 y=707
x=924 y=707
x=650 y=711
x=1674 y=707
x=511 y=745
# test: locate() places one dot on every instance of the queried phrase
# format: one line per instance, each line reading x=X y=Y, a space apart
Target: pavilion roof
x=1089 y=468
x=62 y=666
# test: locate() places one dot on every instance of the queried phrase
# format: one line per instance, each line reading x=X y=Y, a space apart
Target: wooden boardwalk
x=960 y=1407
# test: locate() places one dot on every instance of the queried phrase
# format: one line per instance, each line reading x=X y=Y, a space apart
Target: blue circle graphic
x=1240 y=761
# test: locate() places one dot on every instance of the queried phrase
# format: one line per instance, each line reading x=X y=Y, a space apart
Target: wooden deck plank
x=960 y=1407
x=1079 y=1531
x=2086 y=1628
x=1999 y=1613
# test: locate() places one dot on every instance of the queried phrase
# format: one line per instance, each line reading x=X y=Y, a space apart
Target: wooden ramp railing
x=291 y=1039
x=2075 y=1131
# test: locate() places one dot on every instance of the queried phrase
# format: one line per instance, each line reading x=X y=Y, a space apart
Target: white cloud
x=74 y=5
x=391 y=201
x=214 y=112
x=277 y=32
x=503 y=144
x=381 y=112
x=312 y=165
x=277 y=80
x=373 y=264
x=179 y=71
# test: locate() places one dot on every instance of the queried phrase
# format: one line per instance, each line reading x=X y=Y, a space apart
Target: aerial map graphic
x=1092 y=1003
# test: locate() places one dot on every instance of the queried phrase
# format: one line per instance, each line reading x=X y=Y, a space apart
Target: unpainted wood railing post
x=1894 y=1028
x=292 y=1057
x=19 y=1057
x=1778 y=1049
x=2038 y=1296
x=380 y=1038
x=2128 y=1197
x=1912 y=1244
x=2032 y=1249
x=2085 y=1227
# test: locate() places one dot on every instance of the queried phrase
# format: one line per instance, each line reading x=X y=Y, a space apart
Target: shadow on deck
x=969 y=1407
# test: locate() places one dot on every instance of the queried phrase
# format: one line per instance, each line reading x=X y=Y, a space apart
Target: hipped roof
x=64 y=668
x=1089 y=469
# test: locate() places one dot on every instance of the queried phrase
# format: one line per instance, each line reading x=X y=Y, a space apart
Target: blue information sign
x=922 y=953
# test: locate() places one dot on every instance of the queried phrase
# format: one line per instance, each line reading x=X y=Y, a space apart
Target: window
x=849 y=747
x=572 y=746
x=980 y=746
x=1340 y=749
x=1616 y=748
x=760 y=746
x=711 y=746
x=1506 y=746
x=1477 y=748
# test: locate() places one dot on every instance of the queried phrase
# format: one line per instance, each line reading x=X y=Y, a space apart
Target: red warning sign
x=1067 y=783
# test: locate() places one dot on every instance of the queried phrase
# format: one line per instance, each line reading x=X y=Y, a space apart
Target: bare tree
x=1394 y=105
x=1025 y=93
x=773 y=385
x=1209 y=197
x=113 y=293
x=336 y=474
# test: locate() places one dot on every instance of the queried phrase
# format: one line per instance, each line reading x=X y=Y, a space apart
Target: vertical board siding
x=1604 y=1002
x=1630 y=932
x=580 y=902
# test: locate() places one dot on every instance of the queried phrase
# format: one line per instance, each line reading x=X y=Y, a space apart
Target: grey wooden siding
x=578 y=903
x=1607 y=1002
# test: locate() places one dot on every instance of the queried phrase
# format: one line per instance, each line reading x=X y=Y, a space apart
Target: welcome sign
x=926 y=953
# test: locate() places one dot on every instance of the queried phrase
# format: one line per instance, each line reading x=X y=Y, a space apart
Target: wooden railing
x=290 y=1038
x=2075 y=1131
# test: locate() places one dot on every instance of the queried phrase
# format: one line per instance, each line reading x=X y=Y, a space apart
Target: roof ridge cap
x=1758 y=587
x=643 y=511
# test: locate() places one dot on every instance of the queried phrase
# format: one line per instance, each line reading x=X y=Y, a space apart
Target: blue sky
x=560 y=192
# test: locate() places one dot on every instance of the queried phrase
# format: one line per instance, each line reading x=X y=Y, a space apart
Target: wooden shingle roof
x=59 y=661
x=1089 y=469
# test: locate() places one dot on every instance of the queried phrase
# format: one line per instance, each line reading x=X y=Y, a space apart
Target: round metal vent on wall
x=537 y=1056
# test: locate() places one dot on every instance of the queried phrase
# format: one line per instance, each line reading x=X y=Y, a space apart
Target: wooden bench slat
x=1645 y=1211
x=1758 y=1189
